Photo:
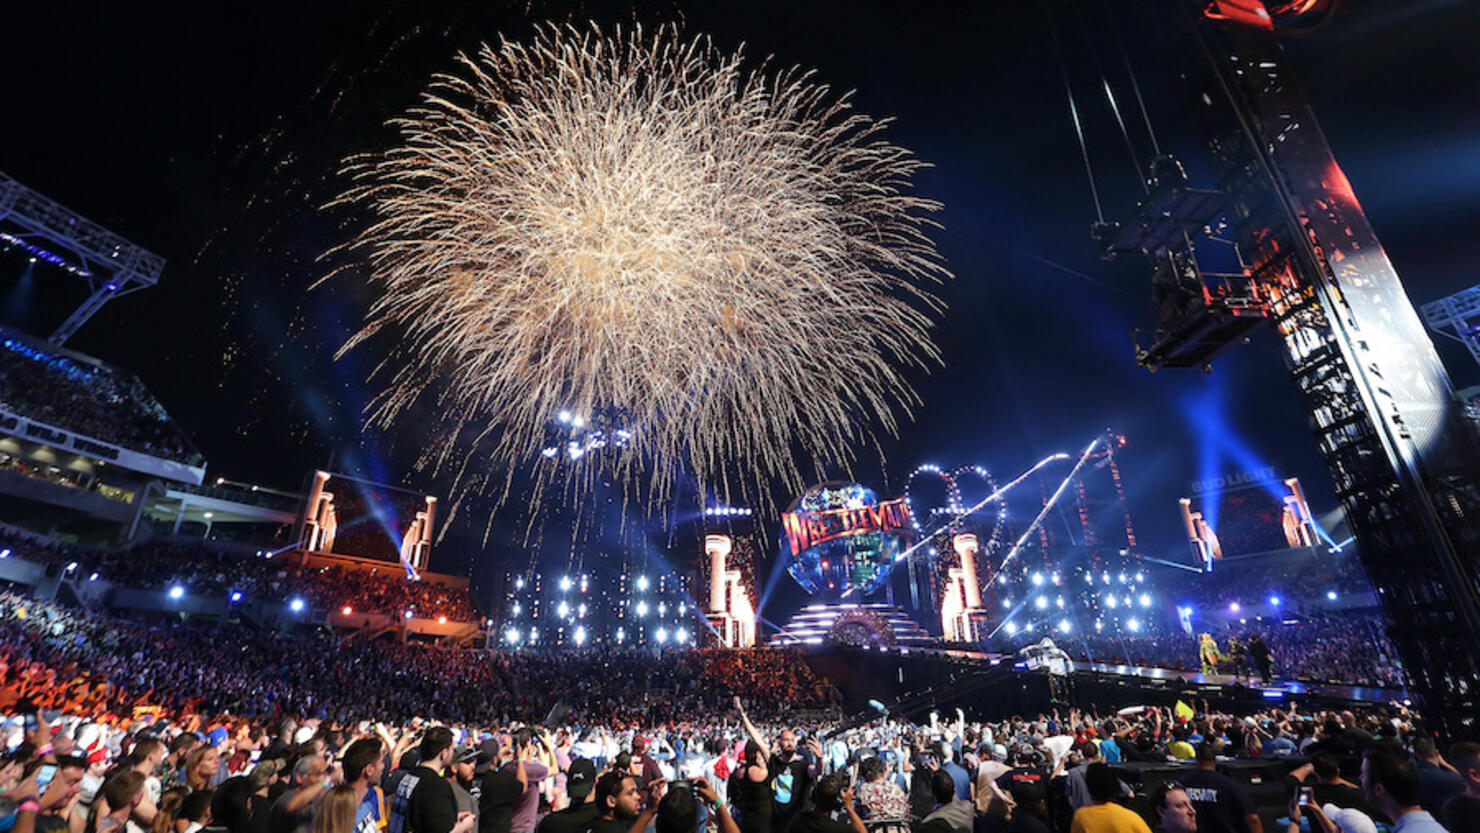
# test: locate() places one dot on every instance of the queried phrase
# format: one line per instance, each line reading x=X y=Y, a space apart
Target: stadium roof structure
x=111 y=265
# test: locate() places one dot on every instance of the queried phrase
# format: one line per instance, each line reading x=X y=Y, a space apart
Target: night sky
x=212 y=135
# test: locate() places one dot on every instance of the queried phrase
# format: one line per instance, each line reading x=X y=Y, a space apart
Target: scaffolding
x=1308 y=264
x=1380 y=402
x=1457 y=317
x=111 y=265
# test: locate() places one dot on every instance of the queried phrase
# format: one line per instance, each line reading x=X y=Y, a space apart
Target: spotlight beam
x=1165 y=563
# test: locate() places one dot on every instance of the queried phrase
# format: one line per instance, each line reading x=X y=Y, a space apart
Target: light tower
x=319 y=517
x=416 y=543
x=1381 y=406
x=717 y=548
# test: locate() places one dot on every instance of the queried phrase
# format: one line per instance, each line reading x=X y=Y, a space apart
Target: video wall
x=358 y=518
x=1246 y=514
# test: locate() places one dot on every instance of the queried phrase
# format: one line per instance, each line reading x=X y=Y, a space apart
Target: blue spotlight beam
x=1188 y=567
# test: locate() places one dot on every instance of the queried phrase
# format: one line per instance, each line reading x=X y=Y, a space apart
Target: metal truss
x=1381 y=405
x=111 y=265
x=1457 y=317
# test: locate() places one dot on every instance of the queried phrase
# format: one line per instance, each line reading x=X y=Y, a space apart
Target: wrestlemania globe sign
x=840 y=540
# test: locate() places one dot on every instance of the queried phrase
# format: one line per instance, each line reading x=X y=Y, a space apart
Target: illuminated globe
x=851 y=557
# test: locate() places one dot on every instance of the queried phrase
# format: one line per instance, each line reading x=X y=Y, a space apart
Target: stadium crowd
x=62 y=658
x=1321 y=648
x=102 y=403
x=112 y=724
x=1313 y=611
x=1299 y=582
x=199 y=568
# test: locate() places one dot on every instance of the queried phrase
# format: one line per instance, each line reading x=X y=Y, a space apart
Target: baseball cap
x=216 y=736
x=464 y=754
x=488 y=750
x=1349 y=820
x=580 y=778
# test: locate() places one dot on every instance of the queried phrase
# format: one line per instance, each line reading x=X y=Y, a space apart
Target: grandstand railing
x=261 y=497
x=35 y=430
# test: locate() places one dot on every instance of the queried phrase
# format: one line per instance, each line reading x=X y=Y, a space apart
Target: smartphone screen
x=45 y=774
x=1305 y=794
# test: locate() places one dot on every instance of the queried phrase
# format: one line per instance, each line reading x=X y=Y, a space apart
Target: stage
x=992 y=686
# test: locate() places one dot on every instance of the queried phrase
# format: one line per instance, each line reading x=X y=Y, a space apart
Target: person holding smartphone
x=57 y=787
x=1304 y=806
x=1322 y=776
x=679 y=811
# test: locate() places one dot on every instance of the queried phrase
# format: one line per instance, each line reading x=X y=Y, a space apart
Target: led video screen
x=361 y=519
x=1246 y=520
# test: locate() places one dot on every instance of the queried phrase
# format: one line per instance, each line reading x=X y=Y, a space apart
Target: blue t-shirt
x=1110 y=751
x=961 y=777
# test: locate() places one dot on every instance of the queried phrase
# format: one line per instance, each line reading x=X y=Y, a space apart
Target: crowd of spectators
x=62 y=659
x=1344 y=649
x=1313 y=609
x=1336 y=648
x=101 y=402
x=1321 y=646
x=270 y=733
x=198 y=568
x=1300 y=579
x=51 y=474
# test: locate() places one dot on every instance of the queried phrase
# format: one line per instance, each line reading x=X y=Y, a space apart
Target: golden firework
x=633 y=223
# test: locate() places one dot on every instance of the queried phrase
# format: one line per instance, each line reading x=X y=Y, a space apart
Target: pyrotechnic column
x=961 y=604
x=967 y=547
x=742 y=613
x=717 y=547
x=730 y=610
x=309 y=531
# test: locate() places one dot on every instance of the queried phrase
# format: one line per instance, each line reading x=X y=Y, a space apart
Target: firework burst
x=633 y=223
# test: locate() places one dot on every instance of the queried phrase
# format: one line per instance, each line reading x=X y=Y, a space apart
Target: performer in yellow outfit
x=1208 y=649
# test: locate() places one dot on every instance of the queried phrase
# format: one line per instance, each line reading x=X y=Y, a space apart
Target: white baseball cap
x=1349 y=819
